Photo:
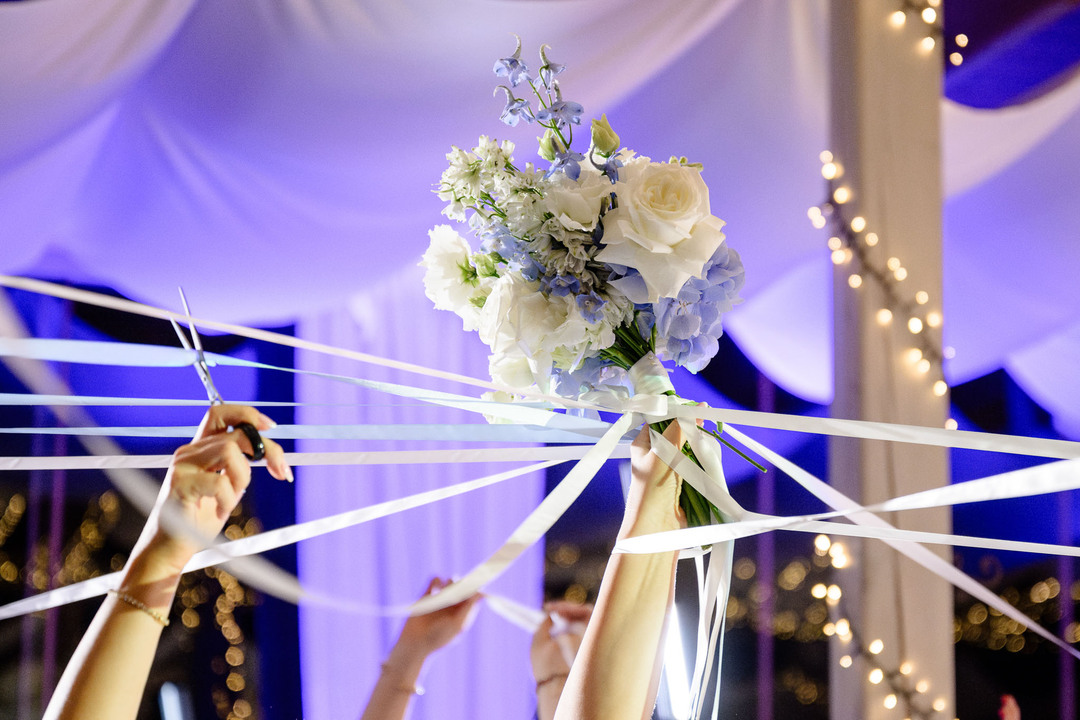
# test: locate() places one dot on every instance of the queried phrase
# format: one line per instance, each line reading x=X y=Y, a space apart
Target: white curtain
x=388 y=562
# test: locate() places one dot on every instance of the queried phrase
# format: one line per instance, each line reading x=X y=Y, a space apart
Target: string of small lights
x=928 y=13
x=852 y=243
x=904 y=690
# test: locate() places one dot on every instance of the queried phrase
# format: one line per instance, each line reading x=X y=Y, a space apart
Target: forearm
x=118 y=649
x=548 y=692
x=617 y=668
x=396 y=685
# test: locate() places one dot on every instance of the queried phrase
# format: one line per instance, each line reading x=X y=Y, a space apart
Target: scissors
x=202 y=367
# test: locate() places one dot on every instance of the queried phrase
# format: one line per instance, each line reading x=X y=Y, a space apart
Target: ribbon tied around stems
x=653 y=395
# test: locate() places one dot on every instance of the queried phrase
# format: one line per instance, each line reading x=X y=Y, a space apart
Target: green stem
x=735 y=450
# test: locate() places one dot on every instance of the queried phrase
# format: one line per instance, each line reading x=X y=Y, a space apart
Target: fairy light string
x=852 y=244
x=925 y=15
x=905 y=692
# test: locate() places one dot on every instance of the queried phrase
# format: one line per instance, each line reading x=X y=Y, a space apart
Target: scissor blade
x=202 y=367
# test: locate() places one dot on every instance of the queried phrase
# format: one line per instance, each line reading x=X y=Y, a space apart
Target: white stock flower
x=663 y=226
x=449 y=279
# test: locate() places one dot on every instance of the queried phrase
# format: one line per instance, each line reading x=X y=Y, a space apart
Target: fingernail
x=267 y=421
x=288 y=473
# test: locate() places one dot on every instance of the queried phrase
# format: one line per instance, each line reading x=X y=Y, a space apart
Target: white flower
x=577 y=204
x=662 y=226
x=529 y=332
x=512 y=370
x=450 y=280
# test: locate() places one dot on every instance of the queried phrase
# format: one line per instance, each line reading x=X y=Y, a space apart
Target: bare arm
x=420 y=636
x=553 y=652
x=617 y=671
x=107 y=674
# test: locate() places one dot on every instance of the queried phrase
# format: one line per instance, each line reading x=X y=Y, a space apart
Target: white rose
x=449 y=280
x=576 y=204
x=663 y=227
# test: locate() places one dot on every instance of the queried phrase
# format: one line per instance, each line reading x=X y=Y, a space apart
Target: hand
x=553 y=654
x=652 y=505
x=1010 y=709
x=204 y=484
x=424 y=634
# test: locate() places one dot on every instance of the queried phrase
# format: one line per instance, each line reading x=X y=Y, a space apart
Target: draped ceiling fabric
x=274 y=158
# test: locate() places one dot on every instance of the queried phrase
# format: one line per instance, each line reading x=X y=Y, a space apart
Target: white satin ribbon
x=534 y=526
x=918 y=553
x=893 y=432
x=861 y=429
x=544 y=416
x=523 y=616
x=467 y=433
x=270 y=540
x=559 y=453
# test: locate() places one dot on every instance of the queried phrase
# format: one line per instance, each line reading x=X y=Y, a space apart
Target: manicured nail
x=267 y=421
x=288 y=473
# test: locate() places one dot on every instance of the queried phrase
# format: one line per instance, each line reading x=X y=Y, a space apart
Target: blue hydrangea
x=688 y=327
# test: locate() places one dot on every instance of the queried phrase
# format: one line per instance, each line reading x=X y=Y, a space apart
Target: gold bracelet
x=140 y=605
x=551 y=678
x=411 y=689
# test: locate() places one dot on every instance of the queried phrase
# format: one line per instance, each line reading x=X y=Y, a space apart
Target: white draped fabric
x=387 y=563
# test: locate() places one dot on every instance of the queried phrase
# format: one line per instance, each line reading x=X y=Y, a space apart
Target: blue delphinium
x=560 y=285
x=498 y=239
x=513 y=68
x=568 y=163
x=515 y=108
x=591 y=306
x=549 y=69
x=561 y=113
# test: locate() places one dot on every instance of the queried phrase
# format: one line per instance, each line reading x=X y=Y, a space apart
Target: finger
x=701 y=421
x=216 y=452
x=575 y=613
x=236 y=468
x=250 y=440
x=562 y=607
x=275 y=460
x=434 y=585
x=543 y=632
x=220 y=418
x=673 y=434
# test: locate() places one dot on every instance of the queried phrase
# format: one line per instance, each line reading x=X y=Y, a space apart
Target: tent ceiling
x=276 y=159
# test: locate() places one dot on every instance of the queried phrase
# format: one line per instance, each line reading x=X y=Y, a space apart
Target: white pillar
x=885 y=100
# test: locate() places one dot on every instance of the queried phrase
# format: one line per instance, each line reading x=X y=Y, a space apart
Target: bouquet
x=601 y=262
